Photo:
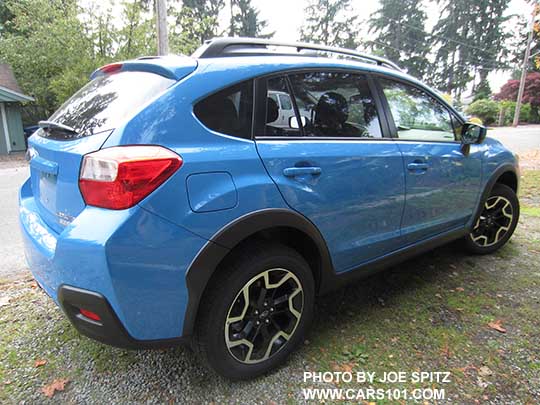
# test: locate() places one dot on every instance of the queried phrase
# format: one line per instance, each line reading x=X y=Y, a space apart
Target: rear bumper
x=134 y=260
x=109 y=329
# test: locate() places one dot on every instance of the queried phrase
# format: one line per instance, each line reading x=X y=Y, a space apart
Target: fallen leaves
x=39 y=363
x=446 y=351
x=343 y=367
x=485 y=371
x=497 y=325
x=57 y=385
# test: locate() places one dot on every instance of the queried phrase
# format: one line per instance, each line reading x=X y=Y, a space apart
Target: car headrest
x=220 y=114
x=272 y=110
x=332 y=110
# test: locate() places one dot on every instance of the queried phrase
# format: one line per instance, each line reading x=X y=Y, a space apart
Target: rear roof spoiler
x=171 y=67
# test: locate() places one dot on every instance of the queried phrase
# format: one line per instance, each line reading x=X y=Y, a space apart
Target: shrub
x=509 y=107
x=486 y=110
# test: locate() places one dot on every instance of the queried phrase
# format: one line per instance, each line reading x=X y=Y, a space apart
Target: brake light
x=119 y=177
x=111 y=68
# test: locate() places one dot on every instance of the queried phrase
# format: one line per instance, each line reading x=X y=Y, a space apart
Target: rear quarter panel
x=170 y=122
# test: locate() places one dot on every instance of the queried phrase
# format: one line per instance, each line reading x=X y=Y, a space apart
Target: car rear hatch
x=84 y=122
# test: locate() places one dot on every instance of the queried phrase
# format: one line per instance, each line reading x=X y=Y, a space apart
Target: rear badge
x=64 y=219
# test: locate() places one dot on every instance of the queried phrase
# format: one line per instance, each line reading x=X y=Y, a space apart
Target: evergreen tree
x=518 y=43
x=401 y=35
x=5 y=18
x=330 y=22
x=490 y=39
x=199 y=19
x=471 y=42
x=245 y=20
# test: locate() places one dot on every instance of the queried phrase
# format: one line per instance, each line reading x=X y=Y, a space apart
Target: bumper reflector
x=90 y=315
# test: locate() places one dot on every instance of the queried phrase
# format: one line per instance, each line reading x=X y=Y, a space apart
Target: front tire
x=255 y=312
x=496 y=223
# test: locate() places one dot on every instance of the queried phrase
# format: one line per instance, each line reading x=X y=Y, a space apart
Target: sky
x=285 y=17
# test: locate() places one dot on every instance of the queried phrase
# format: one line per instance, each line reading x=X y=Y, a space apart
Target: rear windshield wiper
x=50 y=126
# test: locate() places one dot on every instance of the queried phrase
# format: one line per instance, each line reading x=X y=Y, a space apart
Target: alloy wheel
x=494 y=222
x=264 y=315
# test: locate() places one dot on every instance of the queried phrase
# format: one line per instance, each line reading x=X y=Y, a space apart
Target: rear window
x=229 y=111
x=107 y=101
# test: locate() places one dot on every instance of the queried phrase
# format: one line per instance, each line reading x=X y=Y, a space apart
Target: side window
x=285 y=101
x=334 y=104
x=279 y=114
x=417 y=115
x=229 y=111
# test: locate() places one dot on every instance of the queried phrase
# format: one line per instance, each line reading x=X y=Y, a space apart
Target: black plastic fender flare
x=210 y=256
x=489 y=186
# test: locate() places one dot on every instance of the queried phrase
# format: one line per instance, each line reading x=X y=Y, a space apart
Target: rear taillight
x=120 y=177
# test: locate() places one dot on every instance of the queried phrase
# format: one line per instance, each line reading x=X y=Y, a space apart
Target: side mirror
x=472 y=133
x=293 y=122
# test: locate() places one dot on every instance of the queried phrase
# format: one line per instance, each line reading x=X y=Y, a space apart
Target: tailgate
x=54 y=171
x=80 y=126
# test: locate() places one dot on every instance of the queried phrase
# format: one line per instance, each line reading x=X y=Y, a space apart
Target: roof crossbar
x=227 y=47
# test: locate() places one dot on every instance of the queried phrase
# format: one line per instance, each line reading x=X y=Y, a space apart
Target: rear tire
x=497 y=222
x=255 y=311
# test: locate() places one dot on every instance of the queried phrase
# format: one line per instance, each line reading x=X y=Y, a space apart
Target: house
x=11 y=97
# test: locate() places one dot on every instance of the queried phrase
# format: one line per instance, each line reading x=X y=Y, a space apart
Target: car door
x=339 y=171
x=442 y=177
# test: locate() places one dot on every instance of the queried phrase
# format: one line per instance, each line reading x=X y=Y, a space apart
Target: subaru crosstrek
x=174 y=199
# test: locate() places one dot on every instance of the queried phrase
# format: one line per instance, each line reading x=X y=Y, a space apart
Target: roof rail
x=227 y=47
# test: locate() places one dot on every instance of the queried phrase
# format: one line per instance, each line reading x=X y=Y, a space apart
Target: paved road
x=12 y=264
x=520 y=140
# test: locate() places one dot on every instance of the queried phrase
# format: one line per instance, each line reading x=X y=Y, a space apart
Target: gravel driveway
x=13 y=172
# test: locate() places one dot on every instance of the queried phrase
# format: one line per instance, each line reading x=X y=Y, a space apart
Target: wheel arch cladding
x=505 y=174
x=285 y=226
x=508 y=178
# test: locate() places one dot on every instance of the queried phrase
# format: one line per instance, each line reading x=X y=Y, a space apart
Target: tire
x=496 y=223
x=226 y=321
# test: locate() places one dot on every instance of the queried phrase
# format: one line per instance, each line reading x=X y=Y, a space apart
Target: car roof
x=268 y=64
x=252 y=66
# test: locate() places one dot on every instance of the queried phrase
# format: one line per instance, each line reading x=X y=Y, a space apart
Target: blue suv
x=210 y=199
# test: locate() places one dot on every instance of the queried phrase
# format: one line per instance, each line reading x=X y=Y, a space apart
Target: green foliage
x=330 y=22
x=486 y=110
x=508 y=109
x=471 y=42
x=482 y=91
x=245 y=21
x=45 y=32
x=401 y=35
x=199 y=19
x=54 y=45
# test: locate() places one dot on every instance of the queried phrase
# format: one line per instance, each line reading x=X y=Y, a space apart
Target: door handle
x=299 y=171
x=417 y=167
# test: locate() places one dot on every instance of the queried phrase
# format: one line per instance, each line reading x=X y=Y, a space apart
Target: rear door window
x=107 y=101
x=336 y=104
x=229 y=111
